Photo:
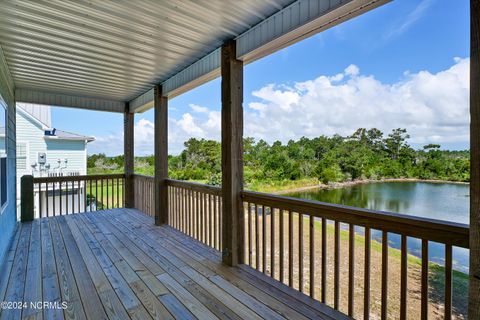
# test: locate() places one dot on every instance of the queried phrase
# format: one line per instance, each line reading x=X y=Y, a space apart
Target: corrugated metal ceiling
x=116 y=49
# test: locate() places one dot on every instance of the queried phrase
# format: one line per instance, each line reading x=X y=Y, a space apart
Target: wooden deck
x=118 y=264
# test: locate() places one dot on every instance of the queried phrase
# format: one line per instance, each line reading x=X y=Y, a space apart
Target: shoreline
x=338 y=185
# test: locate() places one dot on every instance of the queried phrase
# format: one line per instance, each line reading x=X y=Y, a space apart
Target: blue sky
x=412 y=54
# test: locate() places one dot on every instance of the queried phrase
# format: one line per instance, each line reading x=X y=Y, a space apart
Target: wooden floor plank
x=234 y=304
x=50 y=285
x=190 y=302
x=16 y=283
x=213 y=304
x=176 y=308
x=6 y=266
x=33 y=288
x=88 y=294
x=116 y=264
x=252 y=303
x=154 y=307
x=148 y=231
x=66 y=279
x=127 y=297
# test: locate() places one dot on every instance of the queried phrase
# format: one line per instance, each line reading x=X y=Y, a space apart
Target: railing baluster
x=249 y=217
x=118 y=193
x=90 y=196
x=300 y=252
x=66 y=197
x=257 y=238
x=272 y=242
x=96 y=195
x=108 y=197
x=191 y=215
x=210 y=236
x=197 y=213
x=282 y=246
x=290 y=248
x=46 y=200
x=215 y=223
x=184 y=211
x=403 y=278
x=312 y=257
x=79 y=196
x=264 y=240
x=351 y=269
x=384 y=309
x=54 y=198
x=205 y=219
x=336 y=275
x=448 y=282
x=424 y=296
x=60 y=187
x=366 y=276
x=39 y=199
x=324 y=260
x=101 y=192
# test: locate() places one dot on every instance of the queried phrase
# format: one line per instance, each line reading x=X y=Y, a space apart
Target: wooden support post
x=474 y=291
x=232 y=155
x=161 y=156
x=128 y=143
x=27 y=196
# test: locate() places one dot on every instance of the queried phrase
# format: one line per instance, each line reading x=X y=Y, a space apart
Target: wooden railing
x=144 y=194
x=195 y=209
x=339 y=255
x=306 y=245
x=62 y=195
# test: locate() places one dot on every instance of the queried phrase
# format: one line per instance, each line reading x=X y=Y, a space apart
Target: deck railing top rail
x=77 y=178
x=195 y=186
x=455 y=234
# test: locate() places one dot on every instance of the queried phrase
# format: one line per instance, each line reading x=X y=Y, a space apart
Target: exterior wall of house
x=8 y=216
x=31 y=138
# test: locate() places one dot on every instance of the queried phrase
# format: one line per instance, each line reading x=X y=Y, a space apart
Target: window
x=3 y=155
x=21 y=155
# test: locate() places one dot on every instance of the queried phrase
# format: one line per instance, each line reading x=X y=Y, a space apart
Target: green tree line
x=366 y=154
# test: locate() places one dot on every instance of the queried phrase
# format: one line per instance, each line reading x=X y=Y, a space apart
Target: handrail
x=456 y=234
x=195 y=186
x=63 y=195
x=78 y=178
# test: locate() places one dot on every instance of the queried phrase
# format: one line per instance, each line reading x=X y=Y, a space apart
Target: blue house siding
x=28 y=131
x=8 y=216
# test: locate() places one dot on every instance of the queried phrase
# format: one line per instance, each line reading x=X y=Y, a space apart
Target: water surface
x=443 y=201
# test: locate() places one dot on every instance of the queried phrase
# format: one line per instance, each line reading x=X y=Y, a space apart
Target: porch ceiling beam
x=65 y=100
x=299 y=20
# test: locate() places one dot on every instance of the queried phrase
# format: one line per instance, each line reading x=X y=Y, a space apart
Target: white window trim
x=27 y=154
x=4 y=106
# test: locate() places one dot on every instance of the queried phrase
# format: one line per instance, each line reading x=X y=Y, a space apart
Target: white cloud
x=197 y=108
x=352 y=71
x=415 y=15
x=433 y=107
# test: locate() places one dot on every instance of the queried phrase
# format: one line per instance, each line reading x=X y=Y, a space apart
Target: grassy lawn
x=110 y=196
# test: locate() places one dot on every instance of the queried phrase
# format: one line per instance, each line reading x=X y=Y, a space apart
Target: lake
x=443 y=201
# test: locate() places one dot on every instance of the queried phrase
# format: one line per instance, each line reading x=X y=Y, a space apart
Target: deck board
x=116 y=264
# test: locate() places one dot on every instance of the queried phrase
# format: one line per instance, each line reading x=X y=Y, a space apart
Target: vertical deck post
x=128 y=143
x=161 y=156
x=27 y=196
x=474 y=291
x=232 y=155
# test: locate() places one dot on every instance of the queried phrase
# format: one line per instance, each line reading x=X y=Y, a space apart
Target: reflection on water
x=443 y=201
